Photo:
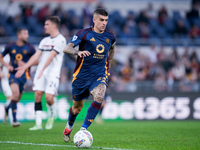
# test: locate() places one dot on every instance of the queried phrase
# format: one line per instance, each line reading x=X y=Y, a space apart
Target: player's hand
x=20 y=71
x=84 y=53
x=10 y=68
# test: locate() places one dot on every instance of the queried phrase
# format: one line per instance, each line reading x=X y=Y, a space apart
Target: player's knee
x=99 y=98
x=15 y=97
x=38 y=96
x=49 y=100
x=77 y=110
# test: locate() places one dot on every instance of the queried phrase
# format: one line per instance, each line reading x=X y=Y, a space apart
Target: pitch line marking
x=41 y=144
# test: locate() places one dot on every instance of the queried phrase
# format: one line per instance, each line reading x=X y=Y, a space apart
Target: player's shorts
x=81 y=89
x=20 y=81
x=46 y=84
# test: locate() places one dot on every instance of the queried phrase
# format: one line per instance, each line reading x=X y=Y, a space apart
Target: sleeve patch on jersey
x=74 y=38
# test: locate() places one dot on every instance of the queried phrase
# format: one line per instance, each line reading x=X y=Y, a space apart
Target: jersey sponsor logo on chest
x=48 y=46
x=100 y=48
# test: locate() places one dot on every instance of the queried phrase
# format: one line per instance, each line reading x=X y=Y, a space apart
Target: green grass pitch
x=111 y=135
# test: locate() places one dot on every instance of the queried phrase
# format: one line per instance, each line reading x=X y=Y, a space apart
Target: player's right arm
x=69 y=49
x=31 y=61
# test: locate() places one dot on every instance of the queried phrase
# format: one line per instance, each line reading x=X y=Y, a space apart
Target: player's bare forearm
x=35 y=63
x=69 y=49
x=33 y=60
x=111 y=55
x=49 y=60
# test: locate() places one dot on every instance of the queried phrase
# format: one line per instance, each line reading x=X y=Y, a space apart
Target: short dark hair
x=19 y=30
x=54 y=19
x=101 y=11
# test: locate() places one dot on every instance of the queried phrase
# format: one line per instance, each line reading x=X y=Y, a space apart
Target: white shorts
x=5 y=83
x=46 y=84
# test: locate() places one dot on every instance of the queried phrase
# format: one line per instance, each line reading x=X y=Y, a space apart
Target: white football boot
x=49 y=123
x=36 y=127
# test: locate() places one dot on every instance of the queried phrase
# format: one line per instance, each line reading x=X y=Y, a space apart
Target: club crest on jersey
x=100 y=48
x=52 y=46
x=107 y=40
x=74 y=38
x=25 y=52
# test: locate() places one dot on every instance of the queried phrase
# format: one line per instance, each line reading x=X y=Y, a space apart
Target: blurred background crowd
x=157 y=49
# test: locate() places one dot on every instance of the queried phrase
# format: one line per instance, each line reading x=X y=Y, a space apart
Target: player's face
x=23 y=36
x=100 y=23
x=48 y=26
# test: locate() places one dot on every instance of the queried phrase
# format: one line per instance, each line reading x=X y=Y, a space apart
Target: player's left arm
x=51 y=56
x=111 y=54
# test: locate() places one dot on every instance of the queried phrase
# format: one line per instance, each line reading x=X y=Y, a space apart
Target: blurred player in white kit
x=5 y=85
x=47 y=76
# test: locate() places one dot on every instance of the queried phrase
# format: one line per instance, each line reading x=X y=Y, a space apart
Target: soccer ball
x=83 y=138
